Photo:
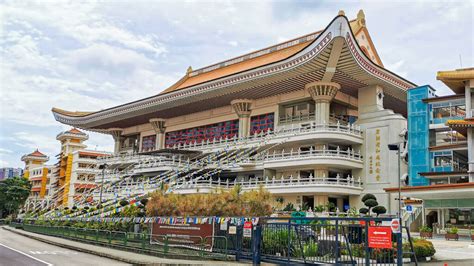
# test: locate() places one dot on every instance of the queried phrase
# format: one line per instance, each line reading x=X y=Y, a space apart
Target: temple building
x=309 y=119
x=71 y=177
x=441 y=153
x=39 y=174
x=76 y=169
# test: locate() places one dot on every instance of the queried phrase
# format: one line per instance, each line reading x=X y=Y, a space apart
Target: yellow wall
x=67 y=179
x=44 y=180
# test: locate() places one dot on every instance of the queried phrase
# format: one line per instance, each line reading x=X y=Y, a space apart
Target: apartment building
x=9 y=172
x=441 y=151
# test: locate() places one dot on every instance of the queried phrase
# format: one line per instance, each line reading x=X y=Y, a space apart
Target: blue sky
x=94 y=55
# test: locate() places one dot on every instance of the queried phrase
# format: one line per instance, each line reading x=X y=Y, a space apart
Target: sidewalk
x=459 y=252
x=116 y=254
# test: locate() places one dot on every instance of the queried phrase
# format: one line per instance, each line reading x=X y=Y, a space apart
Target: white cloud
x=93 y=55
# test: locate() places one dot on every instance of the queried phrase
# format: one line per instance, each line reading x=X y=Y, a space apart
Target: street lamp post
x=396 y=147
x=103 y=167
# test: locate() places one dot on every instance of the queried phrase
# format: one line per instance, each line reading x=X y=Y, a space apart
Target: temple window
x=130 y=143
x=148 y=143
x=226 y=130
x=296 y=112
x=262 y=123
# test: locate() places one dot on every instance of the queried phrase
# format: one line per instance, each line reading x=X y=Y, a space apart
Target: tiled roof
x=37 y=153
x=75 y=131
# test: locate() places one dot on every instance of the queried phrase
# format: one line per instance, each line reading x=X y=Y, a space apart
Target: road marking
x=53 y=252
x=23 y=253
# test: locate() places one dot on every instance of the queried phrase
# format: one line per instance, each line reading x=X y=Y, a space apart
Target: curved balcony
x=335 y=158
x=343 y=133
x=335 y=185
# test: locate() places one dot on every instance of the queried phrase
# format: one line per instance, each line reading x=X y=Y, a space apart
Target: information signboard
x=380 y=237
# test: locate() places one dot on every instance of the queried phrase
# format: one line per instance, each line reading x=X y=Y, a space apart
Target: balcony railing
x=267 y=182
x=281 y=131
x=298 y=154
x=274 y=182
x=333 y=118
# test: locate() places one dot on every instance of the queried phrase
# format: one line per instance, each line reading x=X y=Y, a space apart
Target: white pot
x=428 y=258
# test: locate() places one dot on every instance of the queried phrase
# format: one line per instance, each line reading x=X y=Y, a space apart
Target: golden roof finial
x=190 y=69
x=361 y=17
x=341 y=13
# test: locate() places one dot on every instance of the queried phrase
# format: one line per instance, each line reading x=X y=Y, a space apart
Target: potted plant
x=426 y=232
x=331 y=230
x=452 y=233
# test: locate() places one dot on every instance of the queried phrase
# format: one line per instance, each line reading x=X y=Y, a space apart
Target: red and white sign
x=248 y=229
x=380 y=237
x=395 y=225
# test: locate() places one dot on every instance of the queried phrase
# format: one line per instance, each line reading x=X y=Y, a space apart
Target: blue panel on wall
x=418 y=135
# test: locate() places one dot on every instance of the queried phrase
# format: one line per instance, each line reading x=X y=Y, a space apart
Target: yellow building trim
x=26 y=174
x=44 y=180
x=67 y=179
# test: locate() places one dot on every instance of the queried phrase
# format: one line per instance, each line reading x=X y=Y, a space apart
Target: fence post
x=400 y=247
x=238 y=242
x=367 y=251
x=337 y=241
x=288 y=253
x=256 y=243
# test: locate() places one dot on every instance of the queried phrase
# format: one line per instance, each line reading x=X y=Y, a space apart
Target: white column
x=242 y=109
x=116 y=134
x=322 y=94
x=158 y=125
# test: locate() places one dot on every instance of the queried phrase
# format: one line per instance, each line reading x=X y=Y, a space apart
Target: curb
x=105 y=255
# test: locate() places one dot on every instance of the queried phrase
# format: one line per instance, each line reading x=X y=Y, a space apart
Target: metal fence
x=137 y=242
x=321 y=240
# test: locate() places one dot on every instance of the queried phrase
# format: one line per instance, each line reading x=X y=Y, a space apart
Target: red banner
x=184 y=235
x=380 y=237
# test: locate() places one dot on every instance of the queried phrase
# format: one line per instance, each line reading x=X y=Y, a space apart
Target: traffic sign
x=248 y=229
x=395 y=225
x=380 y=237
x=409 y=208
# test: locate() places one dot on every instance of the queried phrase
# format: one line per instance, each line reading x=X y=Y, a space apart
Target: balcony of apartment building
x=443 y=111
x=449 y=161
x=338 y=184
x=302 y=131
x=341 y=156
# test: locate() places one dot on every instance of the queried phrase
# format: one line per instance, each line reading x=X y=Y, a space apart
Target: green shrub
x=368 y=196
x=363 y=210
x=423 y=248
x=309 y=250
x=379 y=210
x=426 y=229
x=452 y=230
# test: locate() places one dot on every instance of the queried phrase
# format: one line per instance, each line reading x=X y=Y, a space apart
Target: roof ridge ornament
x=361 y=17
x=189 y=70
x=341 y=13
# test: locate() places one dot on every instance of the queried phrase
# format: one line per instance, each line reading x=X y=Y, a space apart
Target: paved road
x=17 y=250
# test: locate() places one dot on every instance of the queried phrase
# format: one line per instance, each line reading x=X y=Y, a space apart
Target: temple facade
x=73 y=175
x=309 y=119
x=39 y=174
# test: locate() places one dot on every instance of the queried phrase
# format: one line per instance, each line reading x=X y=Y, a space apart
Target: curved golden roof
x=70 y=113
x=455 y=79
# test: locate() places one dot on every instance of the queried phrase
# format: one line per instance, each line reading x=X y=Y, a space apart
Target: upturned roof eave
x=66 y=118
